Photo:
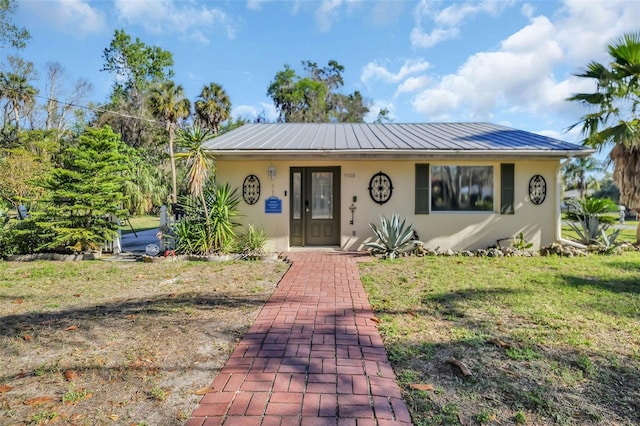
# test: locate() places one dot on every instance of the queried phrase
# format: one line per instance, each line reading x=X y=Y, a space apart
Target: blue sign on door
x=273 y=205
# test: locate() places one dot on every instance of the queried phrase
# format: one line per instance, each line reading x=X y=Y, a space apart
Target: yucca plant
x=210 y=230
x=394 y=237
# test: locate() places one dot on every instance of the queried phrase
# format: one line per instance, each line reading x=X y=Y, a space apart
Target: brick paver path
x=313 y=356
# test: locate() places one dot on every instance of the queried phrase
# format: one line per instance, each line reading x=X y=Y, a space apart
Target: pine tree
x=84 y=193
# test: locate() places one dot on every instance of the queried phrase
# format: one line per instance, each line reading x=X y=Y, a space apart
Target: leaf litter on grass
x=128 y=349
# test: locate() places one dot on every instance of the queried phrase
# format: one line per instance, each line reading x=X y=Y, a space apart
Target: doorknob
x=306 y=206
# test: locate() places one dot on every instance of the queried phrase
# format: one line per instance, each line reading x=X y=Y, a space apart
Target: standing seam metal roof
x=430 y=137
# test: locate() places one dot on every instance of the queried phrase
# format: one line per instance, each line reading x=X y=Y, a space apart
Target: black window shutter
x=507 y=188
x=422 y=188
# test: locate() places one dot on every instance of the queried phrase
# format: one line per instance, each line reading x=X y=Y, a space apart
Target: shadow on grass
x=623 y=285
x=549 y=386
x=451 y=302
x=152 y=306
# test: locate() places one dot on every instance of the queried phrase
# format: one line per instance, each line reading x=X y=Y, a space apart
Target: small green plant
x=394 y=237
x=43 y=416
x=252 y=241
x=485 y=417
x=520 y=418
x=158 y=393
x=72 y=396
x=519 y=243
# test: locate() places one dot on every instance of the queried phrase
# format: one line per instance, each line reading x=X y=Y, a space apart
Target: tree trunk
x=172 y=159
x=638 y=233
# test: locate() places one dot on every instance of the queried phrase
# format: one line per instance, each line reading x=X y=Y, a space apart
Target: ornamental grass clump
x=394 y=237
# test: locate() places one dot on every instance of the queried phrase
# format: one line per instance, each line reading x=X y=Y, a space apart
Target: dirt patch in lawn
x=120 y=343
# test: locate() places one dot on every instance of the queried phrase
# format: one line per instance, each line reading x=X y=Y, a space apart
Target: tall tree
x=614 y=118
x=199 y=162
x=84 y=191
x=213 y=107
x=135 y=67
x=61 y=99
x=168 y=103
x=11 y=34
x=576 y=172
x=17 y=94
x=134 y=64
x=313 y=98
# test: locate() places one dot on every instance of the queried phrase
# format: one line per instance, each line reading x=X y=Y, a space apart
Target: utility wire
x=89 y=108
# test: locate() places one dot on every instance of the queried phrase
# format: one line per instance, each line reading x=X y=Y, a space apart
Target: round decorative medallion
x=251 y=189
x=537 y=189
x=380 y=188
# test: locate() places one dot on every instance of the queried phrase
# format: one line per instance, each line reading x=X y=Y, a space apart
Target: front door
x=315 y=206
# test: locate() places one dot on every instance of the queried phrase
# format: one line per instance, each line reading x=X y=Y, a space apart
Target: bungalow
x=462 y=185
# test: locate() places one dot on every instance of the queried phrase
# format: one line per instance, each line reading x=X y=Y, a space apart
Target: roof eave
x=400 y=154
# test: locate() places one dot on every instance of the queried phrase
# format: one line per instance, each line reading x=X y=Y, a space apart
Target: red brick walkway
x=312 y=357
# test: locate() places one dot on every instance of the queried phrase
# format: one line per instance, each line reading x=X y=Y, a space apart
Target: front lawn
x=128 y=343
x=548 y=340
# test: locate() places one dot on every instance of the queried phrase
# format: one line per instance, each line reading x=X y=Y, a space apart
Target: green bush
x=208 y=230
x=252 y=241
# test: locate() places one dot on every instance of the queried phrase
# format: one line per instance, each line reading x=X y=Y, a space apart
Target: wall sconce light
x=272 y=172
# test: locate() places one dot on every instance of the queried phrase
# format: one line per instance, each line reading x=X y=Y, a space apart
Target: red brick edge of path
x=313 y=356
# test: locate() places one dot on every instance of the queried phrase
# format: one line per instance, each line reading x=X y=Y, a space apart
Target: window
x=462 y=188
x=507 y=184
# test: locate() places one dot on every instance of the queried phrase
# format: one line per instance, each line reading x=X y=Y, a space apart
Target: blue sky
x=507 y=62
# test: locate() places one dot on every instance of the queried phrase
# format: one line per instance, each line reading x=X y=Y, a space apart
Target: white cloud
x=375 y=109
x=75 y=17
x=585 y=28
x=421 y=39
x=458 y=12
x=374 y=70
x=329 y=11
x=251 y=112
x=531 y=71
x=186 y=18
x=519 y=73
x=446 y=22
x=413 y=84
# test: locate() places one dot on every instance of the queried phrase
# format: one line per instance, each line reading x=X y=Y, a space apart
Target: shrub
x=588 y=218
x=252 y=241
x=208 y=229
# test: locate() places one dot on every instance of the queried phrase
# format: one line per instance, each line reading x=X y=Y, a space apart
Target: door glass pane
x=297 y=195
x=322 y=195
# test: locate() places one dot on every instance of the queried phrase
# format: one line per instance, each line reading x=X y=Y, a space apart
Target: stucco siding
x=446 y=230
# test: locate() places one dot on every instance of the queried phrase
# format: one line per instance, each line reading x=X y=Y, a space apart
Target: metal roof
x=388 y=140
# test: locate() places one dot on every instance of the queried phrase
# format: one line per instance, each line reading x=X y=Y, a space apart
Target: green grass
x=568 y=328
x=141 y=223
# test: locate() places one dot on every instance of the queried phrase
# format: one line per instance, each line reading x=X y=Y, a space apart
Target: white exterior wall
x=446 y=230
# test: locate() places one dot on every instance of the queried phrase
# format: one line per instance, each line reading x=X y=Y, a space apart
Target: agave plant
x=394 y=237
x=588 y=219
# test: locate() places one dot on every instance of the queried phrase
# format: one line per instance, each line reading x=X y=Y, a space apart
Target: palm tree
x=614 y=118
x=213 y=107
x=199 y=164
x=576 y=172
x=17 y=90
x=167 y=103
